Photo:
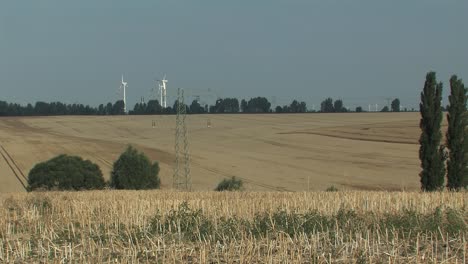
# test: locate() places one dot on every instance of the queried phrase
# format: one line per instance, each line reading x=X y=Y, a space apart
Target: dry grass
x=132 y=227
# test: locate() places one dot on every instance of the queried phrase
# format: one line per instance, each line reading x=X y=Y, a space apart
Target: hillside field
x=281 y=152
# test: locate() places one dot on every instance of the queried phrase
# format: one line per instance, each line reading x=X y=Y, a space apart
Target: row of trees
x=153 y=107
x=132 y=170
x=294 y=107
x=439 y=161
x=58 y=108
x=222 y=105
x=328 y=106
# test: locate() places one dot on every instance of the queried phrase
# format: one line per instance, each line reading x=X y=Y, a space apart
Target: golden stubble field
x=285 y=152
x=233 y=227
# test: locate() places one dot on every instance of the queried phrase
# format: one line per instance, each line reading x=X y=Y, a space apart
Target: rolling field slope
x=290 y=152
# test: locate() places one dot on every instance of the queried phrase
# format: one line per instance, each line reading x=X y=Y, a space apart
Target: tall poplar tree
x=431 y=153
x=457 y=136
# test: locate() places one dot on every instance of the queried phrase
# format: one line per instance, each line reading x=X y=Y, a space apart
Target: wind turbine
x=123 y=87
x=163 y=91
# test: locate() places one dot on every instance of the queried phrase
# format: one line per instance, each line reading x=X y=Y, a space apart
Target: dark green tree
x=66 y=173
x=153 y=107
x=258 y=105
x=396 y=105
x=431 y=153
x=296 y=107
x=302 y=107
x=385 y=109
x=244 y=106
x=42 y=108
x=168 y=110
x=4 y=108
x=219 y=106
x=29 y=110
x=101 y=110
x=139 y=109
x=338 y=106
x=133 y=170
x=327 y=106
x=457 y=136
x=359 y=109
x=196 y=108
x=226 y=105
x=232 y=184
x=231 y=105
x=118 y=108
x=108 y=109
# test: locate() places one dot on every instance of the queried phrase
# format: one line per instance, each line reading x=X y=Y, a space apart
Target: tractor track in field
x=264 y=185
x=349 y=136
x=104 y=161
x=14 y=167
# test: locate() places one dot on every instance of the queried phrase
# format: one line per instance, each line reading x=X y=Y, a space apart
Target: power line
x=181 y=182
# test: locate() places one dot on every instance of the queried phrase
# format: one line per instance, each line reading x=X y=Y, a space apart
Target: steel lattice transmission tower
x=181 y=178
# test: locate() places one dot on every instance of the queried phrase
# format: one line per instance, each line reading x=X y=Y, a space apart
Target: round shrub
x=134 y=171
x=65 y=173
x=232 y=184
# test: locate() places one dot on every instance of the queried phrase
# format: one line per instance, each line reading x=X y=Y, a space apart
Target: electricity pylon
x=181 y=182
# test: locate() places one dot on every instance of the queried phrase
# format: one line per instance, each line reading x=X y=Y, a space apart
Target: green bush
x=189 y=223
x=232 y=184
x=133 y=170
x=332 y=189
x=65 y=173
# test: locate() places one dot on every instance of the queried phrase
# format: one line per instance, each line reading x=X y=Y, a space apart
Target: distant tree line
x=294 y=107
x=153 y=107
x=328 y=106
x=58 y=108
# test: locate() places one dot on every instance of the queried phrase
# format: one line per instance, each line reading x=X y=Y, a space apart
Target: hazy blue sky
x=360 y=51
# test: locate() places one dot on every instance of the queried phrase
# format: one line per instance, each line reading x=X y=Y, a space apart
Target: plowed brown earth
x=370 y=151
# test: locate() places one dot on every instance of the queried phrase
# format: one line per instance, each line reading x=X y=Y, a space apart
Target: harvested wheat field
x=284 y=152
x=233 y=227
